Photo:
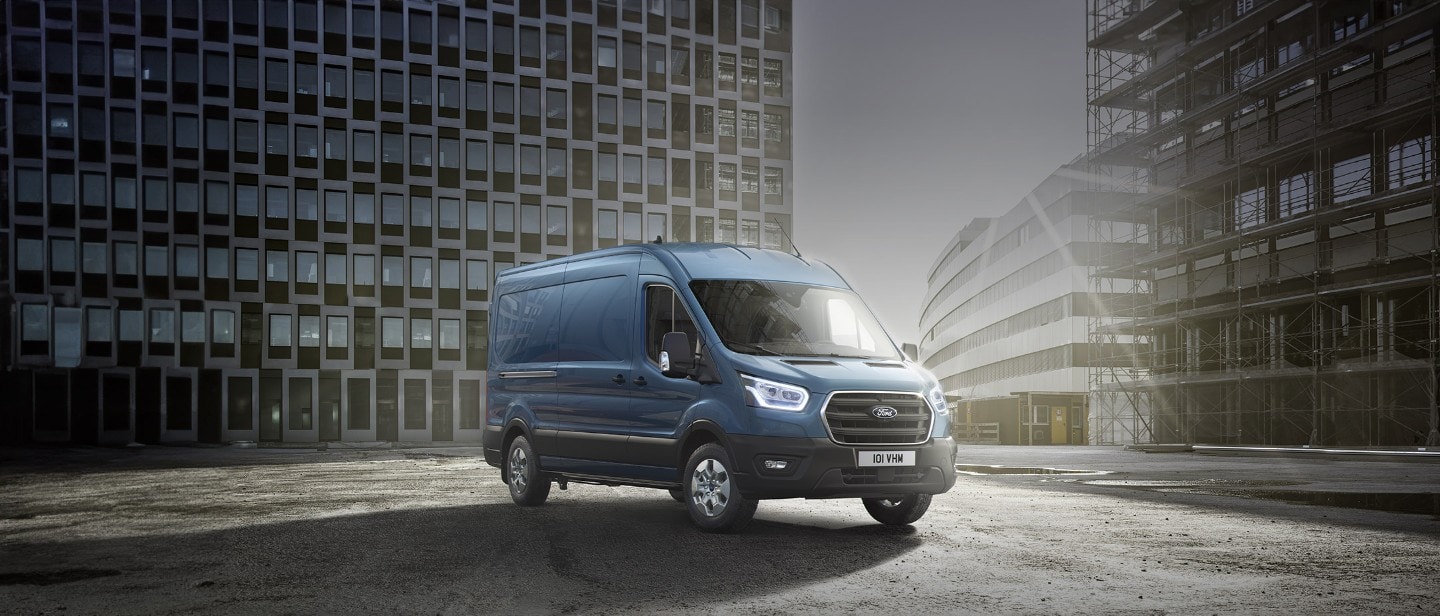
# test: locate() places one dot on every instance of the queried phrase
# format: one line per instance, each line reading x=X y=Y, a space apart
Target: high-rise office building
x=244 y=220
x=1282 y=246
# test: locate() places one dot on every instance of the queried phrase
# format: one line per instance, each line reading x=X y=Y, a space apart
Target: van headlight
x=772 y=395
x=936 y=398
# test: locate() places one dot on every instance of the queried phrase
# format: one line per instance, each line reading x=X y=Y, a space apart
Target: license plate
x=886 y=458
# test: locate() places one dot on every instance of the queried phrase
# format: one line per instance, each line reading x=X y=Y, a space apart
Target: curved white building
x=1007 y=312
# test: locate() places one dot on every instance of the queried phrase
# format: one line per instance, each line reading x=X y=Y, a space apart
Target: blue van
x=724 y=374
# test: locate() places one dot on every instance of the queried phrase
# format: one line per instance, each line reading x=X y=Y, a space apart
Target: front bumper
x=820 y=468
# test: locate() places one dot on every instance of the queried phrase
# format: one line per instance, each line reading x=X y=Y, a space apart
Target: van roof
x=704 y=261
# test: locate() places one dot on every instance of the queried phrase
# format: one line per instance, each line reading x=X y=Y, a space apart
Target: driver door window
x=665 y=313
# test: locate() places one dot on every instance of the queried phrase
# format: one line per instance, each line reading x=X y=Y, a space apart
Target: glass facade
x=225 y=220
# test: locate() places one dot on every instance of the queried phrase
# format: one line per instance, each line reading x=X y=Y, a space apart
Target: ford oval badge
x=884 y=412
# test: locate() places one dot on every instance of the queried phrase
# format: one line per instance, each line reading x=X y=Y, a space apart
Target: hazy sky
x=914 y=116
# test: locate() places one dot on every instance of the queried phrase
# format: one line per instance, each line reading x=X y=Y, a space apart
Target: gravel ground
x=164 y=530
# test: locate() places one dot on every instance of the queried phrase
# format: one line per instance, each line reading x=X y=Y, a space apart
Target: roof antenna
x=659 y=239
x=793 y=249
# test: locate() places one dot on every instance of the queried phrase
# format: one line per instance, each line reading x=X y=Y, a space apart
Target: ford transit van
x=724 y=374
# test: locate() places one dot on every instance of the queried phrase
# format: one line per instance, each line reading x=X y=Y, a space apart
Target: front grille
x=882 y=476
x=848 y=418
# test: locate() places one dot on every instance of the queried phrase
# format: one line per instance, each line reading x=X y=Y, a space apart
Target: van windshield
x=760 y=317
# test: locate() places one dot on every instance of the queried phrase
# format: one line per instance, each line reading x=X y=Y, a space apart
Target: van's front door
x=658 y=402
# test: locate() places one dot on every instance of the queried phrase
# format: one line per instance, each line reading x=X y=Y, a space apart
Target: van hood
x=822 y=375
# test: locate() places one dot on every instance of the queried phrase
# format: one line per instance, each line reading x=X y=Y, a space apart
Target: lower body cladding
x=775 y=467
x=769 y=467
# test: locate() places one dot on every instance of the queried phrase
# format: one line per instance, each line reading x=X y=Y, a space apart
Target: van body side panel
x=594 y=383
x=524 y=336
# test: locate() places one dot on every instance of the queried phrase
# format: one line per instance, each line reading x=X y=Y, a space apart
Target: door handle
x=640 y=380
x=619 y=379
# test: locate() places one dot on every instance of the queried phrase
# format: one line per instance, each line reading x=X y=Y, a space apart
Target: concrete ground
x=163 y=530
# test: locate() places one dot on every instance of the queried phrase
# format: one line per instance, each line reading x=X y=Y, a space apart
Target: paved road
x=183 y=530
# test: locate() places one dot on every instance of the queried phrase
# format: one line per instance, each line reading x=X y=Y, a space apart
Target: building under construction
x=1280 y=259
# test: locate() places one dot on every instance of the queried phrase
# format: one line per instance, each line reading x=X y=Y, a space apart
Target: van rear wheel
x=711 y=496
x=528 y=486
x=897 y=511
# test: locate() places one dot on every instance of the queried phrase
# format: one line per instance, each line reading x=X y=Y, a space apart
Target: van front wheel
x=711 y=496
x=897 y=511
x=528 y=487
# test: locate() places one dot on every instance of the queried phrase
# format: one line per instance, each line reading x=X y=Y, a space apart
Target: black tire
x=677 y=494
x=528 y=486
x=711 y=495
x=897 y=512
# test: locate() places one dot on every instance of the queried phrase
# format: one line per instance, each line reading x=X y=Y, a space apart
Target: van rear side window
x=596 y=322
x=526 y=326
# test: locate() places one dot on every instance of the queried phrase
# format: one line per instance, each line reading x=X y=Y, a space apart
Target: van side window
x=526 y=326
x=665 y=313
x=597 y=320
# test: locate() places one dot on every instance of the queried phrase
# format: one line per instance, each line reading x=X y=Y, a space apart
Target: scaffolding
x=1274 y=281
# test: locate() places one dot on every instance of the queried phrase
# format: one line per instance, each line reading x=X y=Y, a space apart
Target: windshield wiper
x=754 y=348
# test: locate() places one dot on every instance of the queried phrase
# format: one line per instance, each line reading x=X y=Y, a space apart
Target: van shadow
x=593 y=555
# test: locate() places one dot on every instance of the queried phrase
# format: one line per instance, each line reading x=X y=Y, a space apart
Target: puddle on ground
x=984 y=469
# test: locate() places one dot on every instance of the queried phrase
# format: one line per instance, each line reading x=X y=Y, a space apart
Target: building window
x=1297 y=194
x=222 y=327
x=727 y=122
x=727 y=177
x=92 y=259
x=35 y=323
x=310 y=331
x=62 y=255
x=247 y=264
x=449 y=213
x=334 y=206
x=774 y=77
x=157 y=261
x=365 y=270
x=477 y=275
x=420 y=333
x=774 y=128
x=504 y=217
x=277 y=266
x=364 y=209
x=334 y=268
x=449 y=274
x=655 y=115
x=187 y=261
x=632 y=230
x=726 y=71
x=307 y=267
x=450 y=334
x=607 y=225
x=655 y=173
x=1411 y=162
x=607 y=53
x=192 y=327
x=1351 y=178
x=749 y=125
x=162 y=326
x=337 y=332
x=530 y=219
x=392 y=271
x=280 y=330
x=97 y=324
x=307 y=206
x=217 y=263
x=1250 y=208
x=475 y=95
x=420 y=211
x=132 y=326
x=334 y=144
x=555 y=219
x=420 y=272
x=392 y=332
x=774 y=181
x=631 y=169
x=364 y=146
x=476 y=216
x=420 y=90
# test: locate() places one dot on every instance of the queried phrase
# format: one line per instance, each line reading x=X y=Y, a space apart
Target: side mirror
x=911 y=351
x=677 y=359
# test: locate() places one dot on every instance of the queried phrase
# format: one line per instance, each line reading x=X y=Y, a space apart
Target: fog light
x=777 y=465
